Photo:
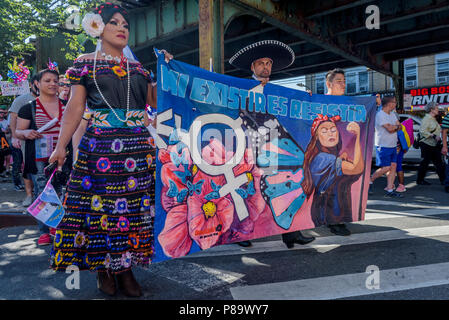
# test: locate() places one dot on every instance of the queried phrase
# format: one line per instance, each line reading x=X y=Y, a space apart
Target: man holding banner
x=262 y=58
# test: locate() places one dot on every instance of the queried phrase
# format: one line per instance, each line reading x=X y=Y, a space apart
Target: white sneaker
x=28 y=200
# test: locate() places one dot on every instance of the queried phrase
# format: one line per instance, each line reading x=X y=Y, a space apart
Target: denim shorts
x=385 y=156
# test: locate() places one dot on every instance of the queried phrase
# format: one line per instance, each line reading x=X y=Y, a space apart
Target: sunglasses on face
x=61 y=84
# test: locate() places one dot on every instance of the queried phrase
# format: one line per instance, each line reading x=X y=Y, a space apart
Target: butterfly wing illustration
x=281 y=159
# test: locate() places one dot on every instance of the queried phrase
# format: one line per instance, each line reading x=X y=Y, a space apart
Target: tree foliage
x=24 y=21
x=21 y=21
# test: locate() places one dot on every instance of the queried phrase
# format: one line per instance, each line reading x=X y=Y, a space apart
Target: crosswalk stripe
x=324 y=244
x=193 y=275
x=348 y=285
x=403 y=204
x=373 y=214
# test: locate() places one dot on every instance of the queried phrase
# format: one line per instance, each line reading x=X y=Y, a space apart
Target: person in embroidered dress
x=108 y=225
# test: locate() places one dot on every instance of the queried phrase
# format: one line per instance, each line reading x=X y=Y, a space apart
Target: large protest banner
x=237 y=161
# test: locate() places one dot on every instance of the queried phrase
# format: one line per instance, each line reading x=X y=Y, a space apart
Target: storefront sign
x=422 y=96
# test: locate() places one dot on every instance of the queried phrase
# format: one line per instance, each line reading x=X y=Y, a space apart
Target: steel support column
x=210 y=29
x=398 y=81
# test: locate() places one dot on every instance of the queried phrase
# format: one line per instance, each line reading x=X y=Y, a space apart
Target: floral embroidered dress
x=108 y=225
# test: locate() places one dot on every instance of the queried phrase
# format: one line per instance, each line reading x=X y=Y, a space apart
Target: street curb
x=15 y=220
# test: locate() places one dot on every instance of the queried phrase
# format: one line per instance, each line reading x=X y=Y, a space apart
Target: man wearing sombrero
x=262 y=58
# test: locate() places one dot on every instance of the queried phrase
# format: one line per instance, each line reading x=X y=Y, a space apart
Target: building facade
x=425 y=79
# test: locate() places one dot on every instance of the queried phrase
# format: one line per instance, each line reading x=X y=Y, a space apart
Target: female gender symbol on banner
x=232 y=182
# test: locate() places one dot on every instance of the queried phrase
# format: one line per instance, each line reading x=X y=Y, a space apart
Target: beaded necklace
x=104 y=99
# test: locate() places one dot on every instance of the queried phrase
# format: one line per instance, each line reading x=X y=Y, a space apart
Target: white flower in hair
x=93 y=24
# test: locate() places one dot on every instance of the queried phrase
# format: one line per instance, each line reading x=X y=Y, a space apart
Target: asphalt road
x=401 y=251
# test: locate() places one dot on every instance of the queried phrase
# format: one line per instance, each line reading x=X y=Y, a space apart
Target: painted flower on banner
x=191 y=198
x=93 y=24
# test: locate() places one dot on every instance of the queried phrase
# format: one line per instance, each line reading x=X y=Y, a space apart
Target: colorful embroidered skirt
x=108 y=225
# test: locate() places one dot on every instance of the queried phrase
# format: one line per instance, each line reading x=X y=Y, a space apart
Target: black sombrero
x=281 y=54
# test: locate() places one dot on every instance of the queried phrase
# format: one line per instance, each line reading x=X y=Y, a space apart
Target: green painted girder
x=288 y=17
x=168 y=19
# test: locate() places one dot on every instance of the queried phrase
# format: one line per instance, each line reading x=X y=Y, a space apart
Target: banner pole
x=364 y=167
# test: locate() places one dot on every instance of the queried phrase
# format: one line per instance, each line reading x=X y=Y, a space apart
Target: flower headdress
x=94 y=22
x=17 y=72
x=52 y=65
x=320 y=119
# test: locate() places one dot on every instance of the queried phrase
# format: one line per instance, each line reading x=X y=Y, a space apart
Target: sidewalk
x=12 y=213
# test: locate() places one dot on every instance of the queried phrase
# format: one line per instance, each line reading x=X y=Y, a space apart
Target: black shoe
x=245 y=244
x=300 y=239
x=340 y=229
x=446 y=189
x=128 y=285
x=106 y=283
x=423 y=183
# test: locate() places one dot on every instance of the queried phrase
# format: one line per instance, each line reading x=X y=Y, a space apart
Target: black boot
x=106 y=283
x=245 y=244
x=339 y=229
x=128 y=285
x=301 y=239
x=295 y=237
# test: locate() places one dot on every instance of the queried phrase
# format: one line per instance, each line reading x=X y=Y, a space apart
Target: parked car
x=412 y=155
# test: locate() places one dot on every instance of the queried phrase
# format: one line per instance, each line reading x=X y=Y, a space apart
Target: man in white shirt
x=386 y=140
